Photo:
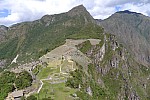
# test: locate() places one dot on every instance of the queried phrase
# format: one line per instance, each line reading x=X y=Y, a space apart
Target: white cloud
x=140 y=8
x=28 y=10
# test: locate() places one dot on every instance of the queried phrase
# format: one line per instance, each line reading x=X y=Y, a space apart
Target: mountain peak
x=78 y=10
x=128 y=12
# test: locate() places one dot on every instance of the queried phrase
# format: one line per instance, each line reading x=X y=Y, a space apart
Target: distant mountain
x=133 y=30
x=128 y=12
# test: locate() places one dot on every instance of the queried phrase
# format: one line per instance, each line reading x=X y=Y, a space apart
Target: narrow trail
x=40 y=86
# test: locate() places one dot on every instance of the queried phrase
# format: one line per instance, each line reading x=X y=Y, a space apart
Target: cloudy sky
x=14 y=11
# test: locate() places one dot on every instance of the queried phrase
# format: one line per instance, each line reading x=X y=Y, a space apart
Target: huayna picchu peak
x=72 y=56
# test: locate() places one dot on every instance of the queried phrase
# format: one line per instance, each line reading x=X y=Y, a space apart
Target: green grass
x=45 y=72
x=56 y=91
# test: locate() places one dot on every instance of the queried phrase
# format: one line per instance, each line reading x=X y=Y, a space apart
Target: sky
x=15 y=11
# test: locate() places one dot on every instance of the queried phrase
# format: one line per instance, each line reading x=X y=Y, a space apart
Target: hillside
x=112 y=75
x=111 y=72
x=132 y=29
x=30 y=40
x=3 y=31
x=71 y=57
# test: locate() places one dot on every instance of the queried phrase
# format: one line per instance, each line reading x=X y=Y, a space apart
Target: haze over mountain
x=98 y=59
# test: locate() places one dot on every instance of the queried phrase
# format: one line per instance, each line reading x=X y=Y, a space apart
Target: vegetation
x=23 y=80
x=55 y=92
x=8 y=49
x=54 y=87
x=108 y=53
x=98 y=93
x=97 y=81
x=75 y=80
x=85 y=46
x=113 y=84
x=37 y=38
x=32 y=97
x=8 y=79
x=45 y=72
x=34 y=39
x=6 y=83
x=37 y=69
x=89 y=31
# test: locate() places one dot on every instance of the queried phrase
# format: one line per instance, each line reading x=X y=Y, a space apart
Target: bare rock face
x=2 y=63
x=89 y=91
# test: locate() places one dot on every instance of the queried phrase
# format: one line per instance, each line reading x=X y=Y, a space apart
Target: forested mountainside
x=71 y=56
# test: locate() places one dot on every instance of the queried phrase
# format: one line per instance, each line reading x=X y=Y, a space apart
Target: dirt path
x=40 y=86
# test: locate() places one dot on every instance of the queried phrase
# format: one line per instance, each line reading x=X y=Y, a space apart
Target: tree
x=23 y=80
x=75 y=80
x=6 y=83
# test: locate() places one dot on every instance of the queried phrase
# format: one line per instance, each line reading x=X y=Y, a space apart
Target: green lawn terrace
x=56 y=92
x=57 y=68
x=52 y=80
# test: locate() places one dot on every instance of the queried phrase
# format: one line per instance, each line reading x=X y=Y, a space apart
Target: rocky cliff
x=113 y=73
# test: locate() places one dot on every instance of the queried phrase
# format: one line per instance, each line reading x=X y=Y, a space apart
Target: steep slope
x=132 y=29
x=112 y=75
x=30 y=40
